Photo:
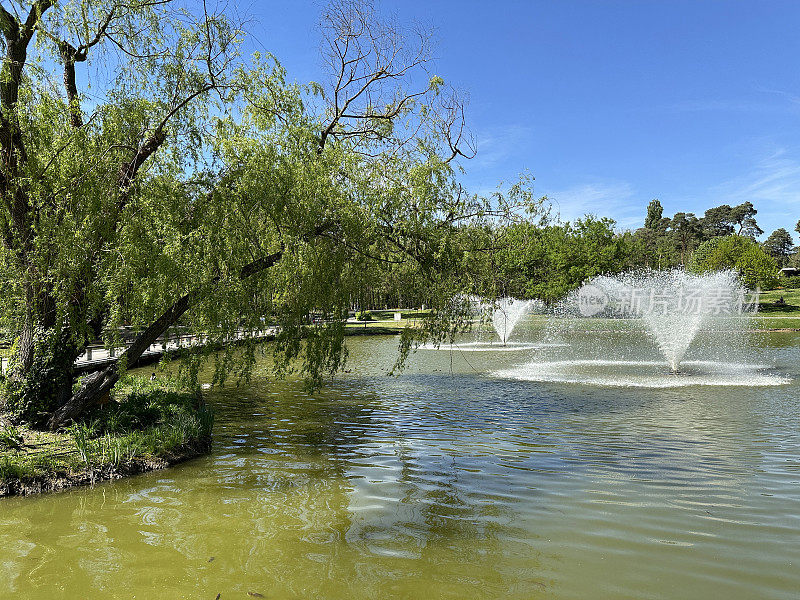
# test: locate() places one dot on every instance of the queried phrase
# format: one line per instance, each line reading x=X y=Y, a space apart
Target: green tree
x=726 y=220
x=744 y=215
x=686 y=230
x=717 y=221
x=196 y=187
x=757 y=269
x=654 y=219
x=652 y=241
x=549 y=261
x=742 y=254
x=779 y=245
x=654 y=249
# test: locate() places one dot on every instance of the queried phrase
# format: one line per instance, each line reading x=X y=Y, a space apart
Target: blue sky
x=609 y=104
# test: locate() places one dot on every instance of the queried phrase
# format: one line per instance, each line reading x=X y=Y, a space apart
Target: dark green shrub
x=790 y=283
x=143 y=404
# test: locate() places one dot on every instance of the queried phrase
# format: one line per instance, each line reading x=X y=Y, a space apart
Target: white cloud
x=499 y=146
x=774 y=179
x=760 y=100
x=790 y=96
x=615 y=200
x=772 y=184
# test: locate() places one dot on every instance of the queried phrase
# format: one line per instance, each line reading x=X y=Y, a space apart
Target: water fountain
x=673 y=305
x=605 y=320
x=504 y=314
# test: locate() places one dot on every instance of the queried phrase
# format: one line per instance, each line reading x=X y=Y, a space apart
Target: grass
x=384 y=319
x=145 y=421
x=774 y=322
x=790 y=296
x=377 y=325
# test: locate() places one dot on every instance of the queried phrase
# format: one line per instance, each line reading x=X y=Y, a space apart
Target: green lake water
x=456 y=479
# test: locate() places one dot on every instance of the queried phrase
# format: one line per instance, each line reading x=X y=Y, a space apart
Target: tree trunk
x=93 y=388
x=24 y=355
x=98 y=384
x=41 y=378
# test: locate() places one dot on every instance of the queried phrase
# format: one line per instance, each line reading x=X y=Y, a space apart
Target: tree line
x=673 y=241
x=550 y=259
x=539 y=257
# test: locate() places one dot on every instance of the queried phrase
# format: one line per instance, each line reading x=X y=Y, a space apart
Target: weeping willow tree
x=151 y=175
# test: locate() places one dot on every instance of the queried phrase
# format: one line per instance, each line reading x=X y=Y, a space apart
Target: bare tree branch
x=380 y=92
x=369 y=61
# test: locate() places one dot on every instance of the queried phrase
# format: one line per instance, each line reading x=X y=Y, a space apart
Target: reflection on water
x=646 y=373
x=446 y=482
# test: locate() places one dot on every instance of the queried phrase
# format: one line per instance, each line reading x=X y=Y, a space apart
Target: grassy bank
x=775 y=322
x=768 y=302
x=146 y=425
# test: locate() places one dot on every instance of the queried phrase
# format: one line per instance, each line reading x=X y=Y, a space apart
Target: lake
x=456 y=479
